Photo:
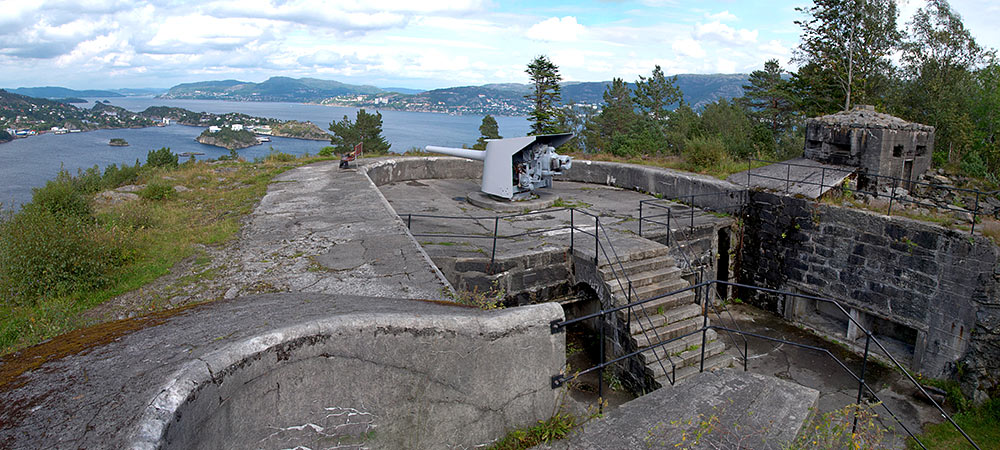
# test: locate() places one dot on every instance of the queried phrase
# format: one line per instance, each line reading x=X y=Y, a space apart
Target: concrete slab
x=721 y=409
x=798 y=176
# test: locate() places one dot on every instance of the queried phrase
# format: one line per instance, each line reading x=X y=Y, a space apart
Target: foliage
x=56 y=266
x=938 y=85
x=60 y=197
x=655 y=95
x=157 y=191
x=835 y=430
x=487 y=299
x=366 y=129
x=768 y=97
x=705 y=151
x=544 y=96
x=44 y=253
x=487 y=130
x=849 y=43
x=161 y=158
x=556 y=427
x=981 y=422
x=327 y=151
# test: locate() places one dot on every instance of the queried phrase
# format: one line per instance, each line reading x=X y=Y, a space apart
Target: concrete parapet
x=382 y=380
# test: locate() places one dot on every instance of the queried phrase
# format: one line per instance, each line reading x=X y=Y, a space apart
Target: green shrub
x=161 y=158
x=115 y=176
x=43 y=253
x=704 y=151
x=973 y=165
x=276 y=156
x=61 y=197
x=326 y=151
x=157 y=191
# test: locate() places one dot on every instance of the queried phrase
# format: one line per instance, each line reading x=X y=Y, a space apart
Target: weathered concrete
x=322 y=229
x=720 y=409
x=942 y=283
x=230 y=360
x=797 y=176
x=429 y=380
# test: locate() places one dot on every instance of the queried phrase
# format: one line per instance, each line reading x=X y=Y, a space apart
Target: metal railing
x=864 y=388
x=895 y=182
x=619 y=274
x=686 y=258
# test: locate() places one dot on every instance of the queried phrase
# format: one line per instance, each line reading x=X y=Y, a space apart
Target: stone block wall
x=943 y=283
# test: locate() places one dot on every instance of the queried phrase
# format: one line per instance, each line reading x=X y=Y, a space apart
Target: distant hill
x=497 y=98
x=274 y=89
x=406 y=91
x=699 y=90
x=140 y=91
x=61 y=92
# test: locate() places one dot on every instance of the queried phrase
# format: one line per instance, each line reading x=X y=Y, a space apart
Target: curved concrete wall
x=669 y=183
x=384 y=380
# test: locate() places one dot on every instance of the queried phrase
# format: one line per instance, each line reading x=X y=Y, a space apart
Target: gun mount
x=513 y=168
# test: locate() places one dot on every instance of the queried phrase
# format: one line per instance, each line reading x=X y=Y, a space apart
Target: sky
x=420 y=44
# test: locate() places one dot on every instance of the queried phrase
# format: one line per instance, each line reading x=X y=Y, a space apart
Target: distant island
x=118 y=142
x=501 y=99
x=228 y=138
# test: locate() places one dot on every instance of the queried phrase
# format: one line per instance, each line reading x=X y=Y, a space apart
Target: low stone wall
x=382 y=380
x=525 y=279
x=405 y=168
x=943 y=283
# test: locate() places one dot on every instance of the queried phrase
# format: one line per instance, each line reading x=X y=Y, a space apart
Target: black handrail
x=863 y=386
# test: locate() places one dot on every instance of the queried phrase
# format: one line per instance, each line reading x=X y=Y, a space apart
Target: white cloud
x=724 y=16
x=724 y=33
x=688 y=47
x=555 y=29
x=723 y=65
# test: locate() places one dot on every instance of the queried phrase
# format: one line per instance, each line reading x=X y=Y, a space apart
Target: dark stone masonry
x=930 y=293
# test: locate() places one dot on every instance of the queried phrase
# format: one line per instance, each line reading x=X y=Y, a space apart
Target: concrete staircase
x=654 y=272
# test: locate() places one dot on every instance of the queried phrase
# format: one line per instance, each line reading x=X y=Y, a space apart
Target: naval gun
x=513 y=168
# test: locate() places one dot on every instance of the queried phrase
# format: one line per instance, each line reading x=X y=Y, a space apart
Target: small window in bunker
x=921 y=150
x=897 y=151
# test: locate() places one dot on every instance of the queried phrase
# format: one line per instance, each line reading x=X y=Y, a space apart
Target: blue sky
x=399 y=43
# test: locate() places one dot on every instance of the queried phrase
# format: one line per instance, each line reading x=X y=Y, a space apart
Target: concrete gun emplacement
x=513 y=168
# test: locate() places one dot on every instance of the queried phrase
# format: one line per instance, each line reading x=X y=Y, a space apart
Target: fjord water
x=30 y=162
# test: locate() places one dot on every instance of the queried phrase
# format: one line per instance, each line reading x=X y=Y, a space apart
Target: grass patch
x=556 y=427
x=981 y=422
x=85 y=254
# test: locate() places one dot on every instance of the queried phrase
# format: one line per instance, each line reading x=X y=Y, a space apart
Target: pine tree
x=544 y=96
x=487 y=130
x=655 y=95
x=767 y=98
x=367 y=128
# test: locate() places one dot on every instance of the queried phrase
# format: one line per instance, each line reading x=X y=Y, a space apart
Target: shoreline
x=16 y=138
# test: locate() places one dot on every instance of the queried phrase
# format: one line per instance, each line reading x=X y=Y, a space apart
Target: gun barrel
x=477 y=155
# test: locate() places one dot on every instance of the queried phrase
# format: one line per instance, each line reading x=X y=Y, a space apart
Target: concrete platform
x=800 y=176
x=721 y=409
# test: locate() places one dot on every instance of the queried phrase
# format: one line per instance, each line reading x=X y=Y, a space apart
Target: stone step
x=648 y=291
x=639 y=266
x=667 y=331
x=686 y=358
x=716 y=362
x=667 y=302
x=679 y=345
x=647 y=278
x=656 y=318
x=649 y=251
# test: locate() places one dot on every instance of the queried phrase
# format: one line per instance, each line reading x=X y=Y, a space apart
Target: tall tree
x=545 y=95
x=849 y=41
x=487 y=130
x=655 y=95
x=767 y=97
x=367 y=128
x=939 y=57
